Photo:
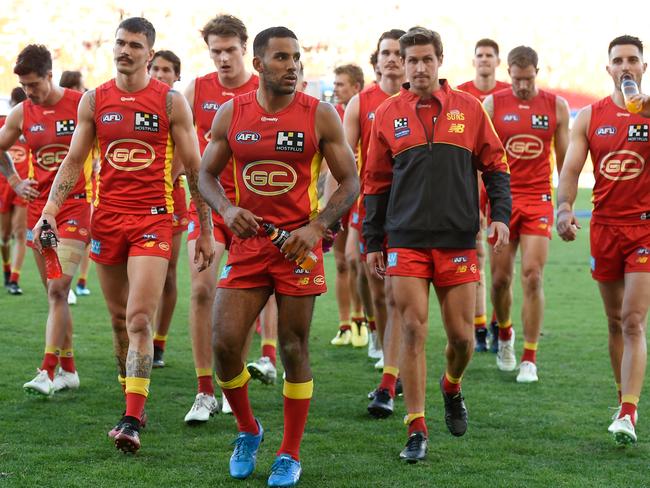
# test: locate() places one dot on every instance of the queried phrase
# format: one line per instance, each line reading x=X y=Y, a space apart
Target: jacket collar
x=412 y=97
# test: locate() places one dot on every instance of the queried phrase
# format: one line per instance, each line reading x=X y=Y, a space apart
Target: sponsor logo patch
x=64 y=127
x=95 y=246
x=164 y=246
x=401 y=127
x=290 y=141
x=457 y=128
x=37 y=128
x=539 y=122
x=210 y=106
x=459 y=259
x=247 y=137
x=111 y=118
x=606 y=130
x=146 y=122
x=637 y=133
x=392 y=259
x=511 y=118
x=319 y=280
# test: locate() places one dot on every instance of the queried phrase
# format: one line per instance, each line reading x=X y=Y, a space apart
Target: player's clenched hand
x=26 y=189
x=376 y=263
x=498 y=235
x=302 y=241
x=38 y=229
x=243 y=223
x=567 y=225
x=204 y=250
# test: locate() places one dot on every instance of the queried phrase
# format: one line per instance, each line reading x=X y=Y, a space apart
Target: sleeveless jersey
x=526 y=129
x=340 y=109
x=136 y=149
x=276 y=160
x=48 y=132
x=619 y=144
x=19 y=153
x=209 y=95
x=470 y=88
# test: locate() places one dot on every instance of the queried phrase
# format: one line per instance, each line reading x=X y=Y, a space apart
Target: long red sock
x=450 y=387
x=241 y=408
x=269 y=351
x=418 y=425
x=505 y=331
x=66 y=359
x=388 y=380
x=49 y=363
x=135 y=405
x=297 y=397
x=206 y=385
x=628 y=409
x=14 y=277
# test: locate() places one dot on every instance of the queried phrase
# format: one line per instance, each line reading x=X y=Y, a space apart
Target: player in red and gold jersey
x=225 y=37
x=359 y=117
x=348 y=81
x=619 y=144
x=166 y=68
x=13 y=209
x=485 y=62
x=140 y=124
x=533 y=126
x=47 y=120
x=276 y=139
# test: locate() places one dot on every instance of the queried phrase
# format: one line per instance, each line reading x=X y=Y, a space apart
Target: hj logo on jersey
x=637 y=133
x=225 y=272
x=146 y=122
x=392 y=259
x=95 y=246
x=539 y=121
x=210 y=106
x=290 y=141
x=401 y=127
x=64 y=127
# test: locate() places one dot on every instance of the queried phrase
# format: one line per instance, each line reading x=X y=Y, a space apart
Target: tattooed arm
x=9 y=134
x=73 y=163
x=343 y=168
x=186 y=149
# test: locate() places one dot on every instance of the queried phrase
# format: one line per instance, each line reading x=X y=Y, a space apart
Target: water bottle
x=48 y=245
x=278 y=236
x=629 y=89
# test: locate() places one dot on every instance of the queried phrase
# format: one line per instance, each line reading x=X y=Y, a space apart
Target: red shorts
x=619 y=249
x=180 y=217
x=357 y=215
x=444 y=267
x=221 y=231
x=72 y=221
x=255 y=262
x=9 y=199
x=534 y=219
x=117 y=236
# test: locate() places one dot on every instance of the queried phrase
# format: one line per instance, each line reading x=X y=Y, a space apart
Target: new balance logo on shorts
x=290 y=141
x=392 y=259
x=146 y=122
x=95 y=246
x=637 y=133
x=64 y=127
x=225 y=272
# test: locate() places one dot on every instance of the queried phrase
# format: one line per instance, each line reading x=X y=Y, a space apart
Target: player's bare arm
x=215 y=158
x=72 y=165
x=9 y=134
x=488 y=105
x=561 y=137
x=574 y=161
x=351 y=125
x=186 y=149
x=189 y=95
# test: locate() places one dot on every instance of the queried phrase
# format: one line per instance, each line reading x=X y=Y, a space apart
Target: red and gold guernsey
x=48 y=131
x=20 y=155
x=340 y=109
x=276 y=160
x=369 y=99
x=619 y=144
x=470 y=88
x=526 y=129
x=136 y=149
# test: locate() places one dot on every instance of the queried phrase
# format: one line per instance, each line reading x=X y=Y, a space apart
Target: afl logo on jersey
x=37 y=128
x=606 y=130
x=621 y=165
x=51 y=156
x=111 y=118
x=247 y=137
x=511 y=118
x=269 y=178
x=130 y=155
x=210 y=106
x=524 y=146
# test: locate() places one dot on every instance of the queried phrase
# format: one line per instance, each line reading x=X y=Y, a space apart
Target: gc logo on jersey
x=269 y=178
x=64 y=127
x=637 y=133
x=539 y=121
x=290 y=141
x=130 y=154
x=51 y=156
x=146 y=122
x=621 y=165
x=524 y=146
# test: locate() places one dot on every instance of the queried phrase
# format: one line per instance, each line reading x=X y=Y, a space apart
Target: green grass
x=549 y=434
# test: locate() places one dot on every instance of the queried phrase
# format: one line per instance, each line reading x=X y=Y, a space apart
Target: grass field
x=549 y=434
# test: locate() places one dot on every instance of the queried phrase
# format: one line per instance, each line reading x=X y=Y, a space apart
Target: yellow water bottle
x=629 y=88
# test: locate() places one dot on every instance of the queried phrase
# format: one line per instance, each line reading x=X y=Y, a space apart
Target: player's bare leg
x=165 y=310
x=502 y=266
x=5 y=244
x=264 y=369
x=378 y=295
x=612 y=293
x=480 y=314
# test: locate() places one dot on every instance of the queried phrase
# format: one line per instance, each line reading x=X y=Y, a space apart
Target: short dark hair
x=374 y=59
x=17 y=96
x=420 y=36
x=261 y=40
x=354 y=72
x=139 y=25
x=225 y=26
x=626 y=39
x=523 y=56
x=168 y=56
x=34 y=58
x=485 y=42
x=70 y=79
x=394 y=34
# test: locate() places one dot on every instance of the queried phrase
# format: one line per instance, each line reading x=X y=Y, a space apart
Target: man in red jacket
x=427 y=143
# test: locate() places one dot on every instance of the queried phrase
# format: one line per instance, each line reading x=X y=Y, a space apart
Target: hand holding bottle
x=48 y=242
